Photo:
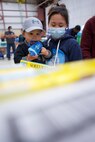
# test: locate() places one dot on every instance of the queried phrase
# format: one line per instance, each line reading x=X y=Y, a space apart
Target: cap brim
x=33 y=28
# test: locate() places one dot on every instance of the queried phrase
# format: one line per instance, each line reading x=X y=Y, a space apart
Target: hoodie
x=66 y=45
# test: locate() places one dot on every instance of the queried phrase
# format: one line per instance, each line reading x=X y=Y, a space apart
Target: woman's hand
x=29 y=57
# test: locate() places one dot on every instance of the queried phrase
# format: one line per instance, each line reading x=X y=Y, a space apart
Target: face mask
x=56 y=33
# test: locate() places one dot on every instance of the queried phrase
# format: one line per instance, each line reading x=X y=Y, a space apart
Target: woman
x=64 y=47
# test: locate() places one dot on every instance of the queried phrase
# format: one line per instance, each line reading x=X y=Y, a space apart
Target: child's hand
x=29 y=57
x=44 y=51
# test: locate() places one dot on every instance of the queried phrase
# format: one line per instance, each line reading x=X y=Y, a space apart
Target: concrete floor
x=6 y=61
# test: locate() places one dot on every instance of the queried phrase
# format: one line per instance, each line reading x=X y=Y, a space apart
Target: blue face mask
x=56 y=33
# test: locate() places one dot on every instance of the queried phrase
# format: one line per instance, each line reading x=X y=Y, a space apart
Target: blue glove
x=35 y=49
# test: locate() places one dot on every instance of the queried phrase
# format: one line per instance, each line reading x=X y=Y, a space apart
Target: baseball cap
x=31 y=24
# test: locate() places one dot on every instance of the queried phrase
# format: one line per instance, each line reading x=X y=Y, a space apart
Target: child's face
x=57 y=21
x=33 y=35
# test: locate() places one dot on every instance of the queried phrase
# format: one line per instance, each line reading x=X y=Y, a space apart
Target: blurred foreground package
x=48 y=104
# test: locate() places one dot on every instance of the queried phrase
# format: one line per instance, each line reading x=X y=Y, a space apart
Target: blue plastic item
x=35 y=48
x=17 y=39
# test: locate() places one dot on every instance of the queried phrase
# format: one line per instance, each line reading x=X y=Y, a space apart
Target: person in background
x=79 y=37
x=32 y=47
x=10 y=39
x=2 y=39
x=88 y=39
x=21 y=37
x=63 y=47
x=74 y=31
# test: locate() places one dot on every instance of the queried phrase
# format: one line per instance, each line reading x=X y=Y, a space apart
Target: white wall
x=15 y=17
x=80 y=10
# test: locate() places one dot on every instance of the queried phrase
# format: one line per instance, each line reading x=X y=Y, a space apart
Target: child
x=32 y=31
x=63 y=46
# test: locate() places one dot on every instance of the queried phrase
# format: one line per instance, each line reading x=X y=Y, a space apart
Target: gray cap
x=31 y=24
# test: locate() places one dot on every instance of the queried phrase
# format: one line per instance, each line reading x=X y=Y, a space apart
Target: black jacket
x=22 y=51
x=68 y=45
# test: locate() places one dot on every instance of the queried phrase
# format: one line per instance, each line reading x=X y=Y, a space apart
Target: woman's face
x=57 y=21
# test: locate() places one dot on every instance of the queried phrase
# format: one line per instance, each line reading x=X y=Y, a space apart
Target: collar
x=28 y=43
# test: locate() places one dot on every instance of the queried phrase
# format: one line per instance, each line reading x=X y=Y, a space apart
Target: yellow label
x=34 y=65
x=64 y=74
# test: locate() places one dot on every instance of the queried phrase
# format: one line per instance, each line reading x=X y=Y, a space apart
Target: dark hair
x=78 y=27
x=9 y=27
x=59 y=9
